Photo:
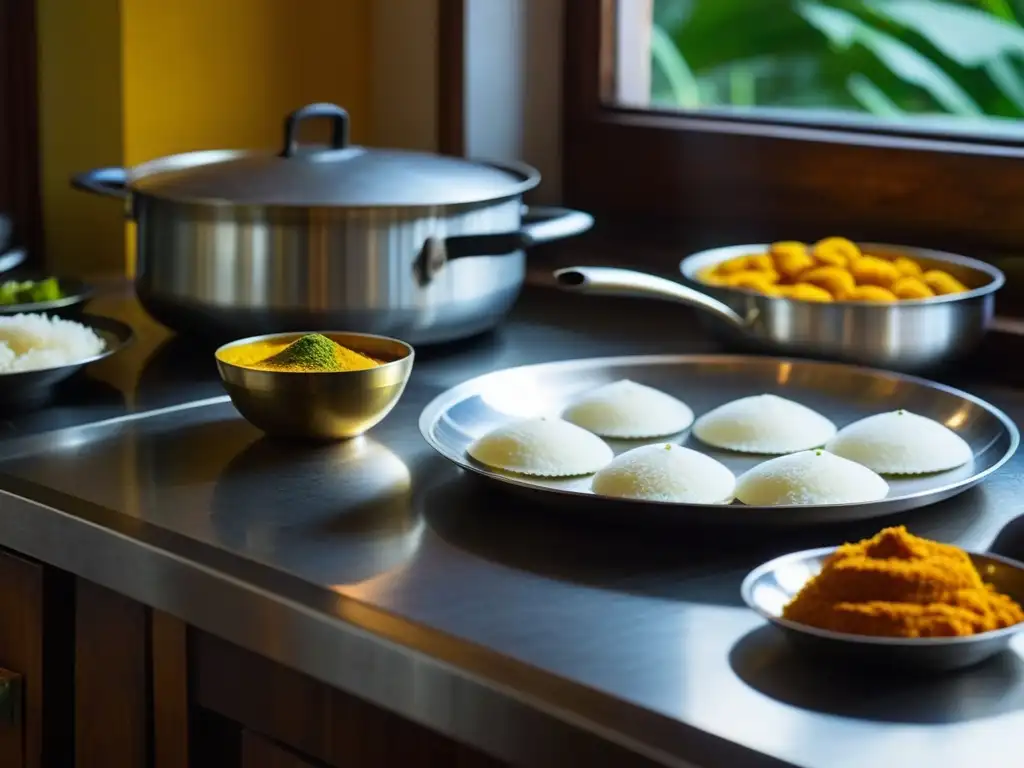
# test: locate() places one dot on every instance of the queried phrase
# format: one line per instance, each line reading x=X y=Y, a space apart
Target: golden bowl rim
x=404 y=360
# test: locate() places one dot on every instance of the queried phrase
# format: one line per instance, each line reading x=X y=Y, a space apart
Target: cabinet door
x=21 y=662
x=111 y=715
x=258 y=752
x=12 y=726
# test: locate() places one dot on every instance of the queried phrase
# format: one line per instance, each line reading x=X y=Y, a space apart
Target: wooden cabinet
x=131 y=683
x=35 y=664
x=327 y=726
x=89 y=677
x=111 y=679
x=258 y=752
x=12 y=722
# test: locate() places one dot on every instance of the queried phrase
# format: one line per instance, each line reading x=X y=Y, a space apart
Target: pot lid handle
x=339 y=126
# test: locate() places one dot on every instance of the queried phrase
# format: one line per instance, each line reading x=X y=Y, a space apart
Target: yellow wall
x=190 y=74
x=80 y=101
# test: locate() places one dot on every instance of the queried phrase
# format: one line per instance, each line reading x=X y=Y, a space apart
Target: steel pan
x=912 y=335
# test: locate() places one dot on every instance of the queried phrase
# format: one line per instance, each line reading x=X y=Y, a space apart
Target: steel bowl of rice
x=38 y=351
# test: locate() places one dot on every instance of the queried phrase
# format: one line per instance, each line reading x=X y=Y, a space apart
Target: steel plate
x=844 y=393
x=769 y=587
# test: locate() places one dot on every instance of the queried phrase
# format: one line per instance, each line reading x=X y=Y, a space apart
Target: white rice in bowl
x=33 y=342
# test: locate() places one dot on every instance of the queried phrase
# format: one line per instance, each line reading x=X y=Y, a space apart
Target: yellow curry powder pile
x=315 y=352
x=899 y=585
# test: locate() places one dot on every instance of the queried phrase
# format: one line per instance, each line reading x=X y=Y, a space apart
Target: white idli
x=809 y=477
x=628 y=410
x=543 y=447
x=665 y=472
x=763 y=424
x=901 y=443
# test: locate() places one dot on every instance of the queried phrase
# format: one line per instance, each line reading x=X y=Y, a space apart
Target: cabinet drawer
x=257 y=752
x=328 y=725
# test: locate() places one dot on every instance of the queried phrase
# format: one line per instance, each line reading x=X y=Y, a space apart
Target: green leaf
x=1000 y=8
x=742 y=86
x=668 y=58
x=1002 y=73
x=669 y=14
x=969 y=36
x=718 y=32
x=844 y=30
x=872 y=98
x=841 y=28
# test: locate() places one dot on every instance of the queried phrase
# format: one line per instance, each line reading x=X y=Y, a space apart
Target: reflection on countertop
x=338 y=513
x=766 y=662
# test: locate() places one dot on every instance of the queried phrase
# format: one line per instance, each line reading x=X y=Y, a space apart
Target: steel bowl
x=911 y=335
x=34 y=387
x=75 y=294
x=770 y=586
x=329 y=405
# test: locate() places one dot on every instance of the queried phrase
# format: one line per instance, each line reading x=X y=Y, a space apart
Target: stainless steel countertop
x=380 y=569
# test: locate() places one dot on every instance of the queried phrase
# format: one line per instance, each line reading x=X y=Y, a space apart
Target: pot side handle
x=610 y=281
x=108 y=182
x=541 y=224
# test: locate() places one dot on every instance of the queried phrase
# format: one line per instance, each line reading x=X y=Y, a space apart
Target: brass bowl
x=325 y=405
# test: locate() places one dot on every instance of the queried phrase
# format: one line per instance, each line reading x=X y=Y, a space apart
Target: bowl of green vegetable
x=50 y=295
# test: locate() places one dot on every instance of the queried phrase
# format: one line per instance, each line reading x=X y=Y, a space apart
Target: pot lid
x=339 y=174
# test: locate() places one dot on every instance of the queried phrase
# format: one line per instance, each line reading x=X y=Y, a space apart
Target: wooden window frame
x=19 y=126
x=708 y=179
x=451 y=63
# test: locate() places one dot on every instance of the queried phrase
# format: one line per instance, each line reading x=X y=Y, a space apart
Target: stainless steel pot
x=417 y=246
x=908 y=335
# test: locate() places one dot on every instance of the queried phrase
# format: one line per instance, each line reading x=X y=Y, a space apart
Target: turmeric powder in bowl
x=899 y=585
x=312 y=353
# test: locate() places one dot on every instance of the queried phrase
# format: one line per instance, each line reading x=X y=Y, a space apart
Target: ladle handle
x=610 y=281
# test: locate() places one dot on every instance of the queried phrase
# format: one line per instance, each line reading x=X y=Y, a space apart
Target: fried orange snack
x=911 y=288
x=871 y=270
x=836 y=251
x=836 y=280
x=907 y=267
x=871 y=293
x=942 y=282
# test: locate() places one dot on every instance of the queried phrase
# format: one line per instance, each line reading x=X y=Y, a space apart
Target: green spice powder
x=313 y=352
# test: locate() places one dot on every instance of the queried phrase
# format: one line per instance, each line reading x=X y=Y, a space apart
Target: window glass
x=928 y=63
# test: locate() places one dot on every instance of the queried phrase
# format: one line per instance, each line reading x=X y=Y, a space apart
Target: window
x=941 y=65
x=722 y=121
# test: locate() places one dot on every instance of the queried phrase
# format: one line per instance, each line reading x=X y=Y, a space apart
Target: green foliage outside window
x=894 y=59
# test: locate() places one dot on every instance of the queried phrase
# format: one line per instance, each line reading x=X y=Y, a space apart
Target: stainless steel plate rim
x=689 y=266
x=440 y=405
x=746 y=591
